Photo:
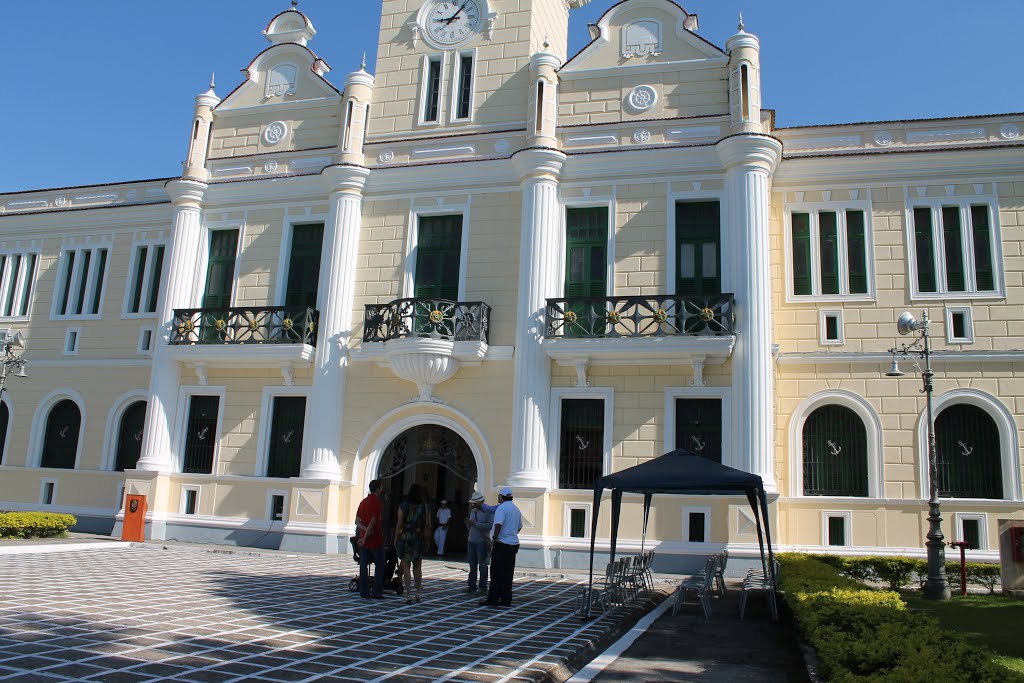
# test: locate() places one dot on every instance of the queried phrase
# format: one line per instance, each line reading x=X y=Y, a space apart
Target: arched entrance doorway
x=442 y=463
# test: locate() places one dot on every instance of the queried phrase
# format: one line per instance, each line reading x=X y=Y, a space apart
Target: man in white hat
x=444 y=516
x=479 y=522
x=508 y=522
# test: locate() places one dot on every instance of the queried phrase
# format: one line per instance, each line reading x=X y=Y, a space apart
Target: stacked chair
x=757 y=581
x=624 y=581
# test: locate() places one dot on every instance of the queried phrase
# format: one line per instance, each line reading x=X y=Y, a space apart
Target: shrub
x=34 y=524
x=895 y=572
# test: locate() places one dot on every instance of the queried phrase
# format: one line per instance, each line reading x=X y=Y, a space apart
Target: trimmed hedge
x=34 y=524
x=864 y=635
x=898 y=572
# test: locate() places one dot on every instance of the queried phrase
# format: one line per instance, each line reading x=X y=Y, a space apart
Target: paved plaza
x=148 y=613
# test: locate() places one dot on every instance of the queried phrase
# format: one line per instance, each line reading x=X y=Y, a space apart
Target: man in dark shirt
x=370 y=543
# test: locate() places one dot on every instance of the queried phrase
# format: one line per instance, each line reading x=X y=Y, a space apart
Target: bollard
x=134 y=528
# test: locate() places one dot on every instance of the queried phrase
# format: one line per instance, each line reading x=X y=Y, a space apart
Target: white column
x=749 y=161
x=539 y=270
x=336 y=298
x=182 y=270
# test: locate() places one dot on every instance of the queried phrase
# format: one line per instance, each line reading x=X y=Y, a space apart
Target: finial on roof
x=546 y=43
x=295 y=4
x=213 y=84
x=362 y=66
x=741 y=27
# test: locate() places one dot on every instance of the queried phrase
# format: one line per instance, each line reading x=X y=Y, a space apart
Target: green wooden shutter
x=981 y=232
x=801 y=235
x=586 y=244
x=953 y=240
x=304 y=265
x=438 y=257
x=828 y=251
x=924 y=245
x=285 y=456
x=856 y=252
x=698 y=248
x=220 y=272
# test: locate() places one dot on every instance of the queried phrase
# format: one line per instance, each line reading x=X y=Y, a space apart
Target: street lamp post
x=936 y=587
x=10 y=361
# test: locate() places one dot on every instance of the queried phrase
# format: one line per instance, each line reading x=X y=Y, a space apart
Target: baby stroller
x=391 y=578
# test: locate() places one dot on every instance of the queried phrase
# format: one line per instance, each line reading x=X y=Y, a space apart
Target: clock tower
x=456 y=66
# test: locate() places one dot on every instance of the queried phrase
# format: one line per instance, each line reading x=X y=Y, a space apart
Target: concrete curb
x=43 y=548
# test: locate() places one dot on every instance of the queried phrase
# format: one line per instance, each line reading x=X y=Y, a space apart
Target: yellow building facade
x=493 y=263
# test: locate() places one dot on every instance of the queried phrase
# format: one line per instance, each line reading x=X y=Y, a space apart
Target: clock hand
x=457 y=12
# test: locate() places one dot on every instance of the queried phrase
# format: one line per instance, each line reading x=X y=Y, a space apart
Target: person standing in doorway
x=444 y=516
x=411 y=536
x=371 y=543
x=479 y=522
x=508 y=522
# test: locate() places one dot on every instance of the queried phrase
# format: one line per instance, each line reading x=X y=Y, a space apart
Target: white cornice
x=679 y=350
x=644 y=69
x=880 y=358
x=241 y=355
x=900 y=165
x=314 y=103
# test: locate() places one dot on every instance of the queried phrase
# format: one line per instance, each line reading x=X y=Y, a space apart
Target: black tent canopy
x=682 y=472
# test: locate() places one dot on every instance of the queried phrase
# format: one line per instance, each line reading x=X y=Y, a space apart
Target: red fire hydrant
x=963 y=545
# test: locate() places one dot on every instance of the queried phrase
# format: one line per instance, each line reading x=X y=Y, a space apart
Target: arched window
x=60 y=439
x=129 y=436
x=968 y=453
x=5 y=417
x=835 y=453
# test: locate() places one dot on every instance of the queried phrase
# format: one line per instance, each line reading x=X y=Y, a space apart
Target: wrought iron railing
x=264 y=325
x=640 y=316
x=428 y=318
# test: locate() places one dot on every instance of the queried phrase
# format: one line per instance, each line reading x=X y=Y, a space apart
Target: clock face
x=450 y=22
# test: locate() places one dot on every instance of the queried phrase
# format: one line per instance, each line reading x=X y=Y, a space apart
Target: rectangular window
x=959 y=325
x=145 y=340
x=699 y=426
x=831 y=323
x=71 y=341
x=829 y=252
x=304 y=265
x=954 y=248
x=836 y=530
x=145 y=280
x=581 y=443
x=286 y=430
x=539 y=123
x=277 y=507
x=577 y=523
x=438 y=257
x=432 y=94
x=81 y=282
x=189 y=500
x=970 y=531
x=201 y=435
x=464 y=105
x=695 y=532
x=49 y=492
x=17 y=276
x=698 y=248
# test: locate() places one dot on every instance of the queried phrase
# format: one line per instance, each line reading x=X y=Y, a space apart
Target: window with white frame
x=47 y=491
x=696 y=524
x=275 y=505
x=971 y=528
x=17 y=277
x=829 y=252
x=189 y=500
x=71 y=338
x=464 y=77
x=80 y=279
x=145 y=340
x=145 y=279
x=831 y=328
x=577 y=520
x=431 y=104
x=955 y=248
x=581 y=442
x=959 y=325
x=836 y=528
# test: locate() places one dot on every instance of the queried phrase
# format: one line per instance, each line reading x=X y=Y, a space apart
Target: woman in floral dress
x=411 y=537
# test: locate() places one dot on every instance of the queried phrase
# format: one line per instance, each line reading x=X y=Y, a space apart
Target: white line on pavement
x=605 y=659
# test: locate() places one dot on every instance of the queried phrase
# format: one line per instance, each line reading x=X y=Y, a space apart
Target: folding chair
x=700 y=585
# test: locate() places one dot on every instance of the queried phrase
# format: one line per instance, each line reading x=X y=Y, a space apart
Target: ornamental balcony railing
x=264 y=325
x=427 y=318
x=639 y=316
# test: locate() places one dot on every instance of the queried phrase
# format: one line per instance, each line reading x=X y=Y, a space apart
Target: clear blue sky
x=100 y=91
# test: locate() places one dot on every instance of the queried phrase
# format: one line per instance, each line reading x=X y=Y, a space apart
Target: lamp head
x=21 y=371
x=894 y=370
x=15 y=339
x=907 y=323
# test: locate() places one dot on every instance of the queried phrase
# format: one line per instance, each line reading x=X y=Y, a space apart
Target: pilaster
x=336 y=298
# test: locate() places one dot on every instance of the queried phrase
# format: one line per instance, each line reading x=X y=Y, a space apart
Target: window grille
x=581 y=451
x=129 y=436
x=968 y=453
x=699 y=426
x=835 y=453
x=60 y=439
x=201 y=434
x=285 y=456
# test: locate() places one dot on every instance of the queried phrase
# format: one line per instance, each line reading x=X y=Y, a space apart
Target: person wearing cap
x=508 y=522
x=479 y=522
x=444 y=516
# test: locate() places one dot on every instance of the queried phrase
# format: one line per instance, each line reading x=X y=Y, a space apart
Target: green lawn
x=992 y=621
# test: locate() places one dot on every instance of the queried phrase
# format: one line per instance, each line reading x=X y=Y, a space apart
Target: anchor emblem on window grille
x=64 y=431
x=698 y=445
x=834 y=448
x=287 y=438
x=964 y=448
x=138 y=435
x=202 y=433
x=581 y=442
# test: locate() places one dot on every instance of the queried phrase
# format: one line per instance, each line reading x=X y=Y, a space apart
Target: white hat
x=505 y=492
x=477 y=497
x=444 y=502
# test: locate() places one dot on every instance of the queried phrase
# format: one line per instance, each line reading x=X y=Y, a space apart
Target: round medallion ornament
x=386 y=157
x=707 y=314
x=220 y=325
x=275 y=132
x=1009 y=131
x=570 y=317
x=613 y=317
x=641 y=136
x=642 y=97
x=287 y=323
x=502 y=146
x=883 y=138
x=253 y=326
x=186 y=327
x=60 y=201
x=270 y=166
x=660 y=315
x=436 y=316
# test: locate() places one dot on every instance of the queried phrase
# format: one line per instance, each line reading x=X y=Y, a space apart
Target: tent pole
x=616 y=512
x=760 y=536
x=768 y=533
x=593 y=539
x=647 y=516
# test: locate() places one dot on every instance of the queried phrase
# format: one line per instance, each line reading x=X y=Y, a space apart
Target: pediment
x=286 y=72
x=643 y=32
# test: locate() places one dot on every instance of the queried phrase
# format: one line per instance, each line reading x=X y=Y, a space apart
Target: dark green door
x=698 y=248
x=60 y=440
x=586 y=268
x=220 y=280
x=304 y=265
x=438 y=254
x=285 y=456
x=699 y=426
x=129 y=436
